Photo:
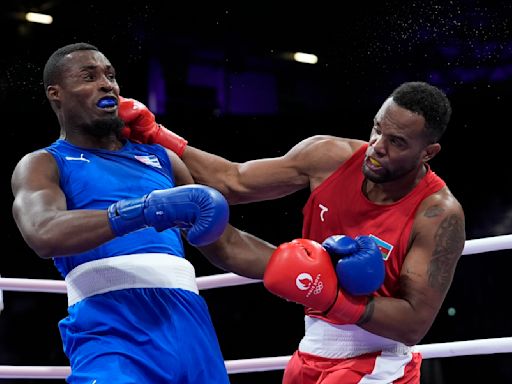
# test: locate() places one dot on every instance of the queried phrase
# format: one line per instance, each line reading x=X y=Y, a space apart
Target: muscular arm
x=40 y=211
x=269 y=178
x=255 y=180
x=235 y=251
x=239 y=252
x=426 y=274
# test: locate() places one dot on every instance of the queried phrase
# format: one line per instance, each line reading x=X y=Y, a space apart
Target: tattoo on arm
x=446 y=252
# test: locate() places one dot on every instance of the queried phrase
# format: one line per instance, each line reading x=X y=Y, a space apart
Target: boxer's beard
x=103 y=127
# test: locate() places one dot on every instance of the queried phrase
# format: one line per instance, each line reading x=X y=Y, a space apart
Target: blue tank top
x=96 y=178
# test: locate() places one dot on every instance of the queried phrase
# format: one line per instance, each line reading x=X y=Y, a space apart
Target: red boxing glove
x=142 y=127
x=301 y=271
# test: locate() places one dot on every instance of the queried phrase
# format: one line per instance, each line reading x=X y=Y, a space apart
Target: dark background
x=222 y=79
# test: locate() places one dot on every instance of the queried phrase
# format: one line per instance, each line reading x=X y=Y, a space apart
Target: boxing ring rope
x=429 y=351
x=486 y=244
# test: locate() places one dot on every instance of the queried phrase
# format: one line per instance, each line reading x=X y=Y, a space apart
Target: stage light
x=40 y=18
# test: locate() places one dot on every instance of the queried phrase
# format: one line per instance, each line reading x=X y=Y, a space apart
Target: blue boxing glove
x=201 y=210
x=360 y=267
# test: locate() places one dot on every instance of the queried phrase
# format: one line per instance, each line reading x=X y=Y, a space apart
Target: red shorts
x=377 y=368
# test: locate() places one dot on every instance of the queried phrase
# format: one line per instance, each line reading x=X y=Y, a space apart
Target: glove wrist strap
x=170 y=140
x=127 y=216
x=346 y=309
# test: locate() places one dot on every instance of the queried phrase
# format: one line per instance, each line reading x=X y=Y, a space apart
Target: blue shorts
x=142 y=335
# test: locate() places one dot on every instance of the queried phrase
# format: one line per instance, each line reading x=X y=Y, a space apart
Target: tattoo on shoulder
x=446 y=252
x=433 y=211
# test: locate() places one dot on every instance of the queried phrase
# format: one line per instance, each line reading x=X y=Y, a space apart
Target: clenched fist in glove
x=301 y=271
x=202 y=211
x=142 y=127
x=360 y=267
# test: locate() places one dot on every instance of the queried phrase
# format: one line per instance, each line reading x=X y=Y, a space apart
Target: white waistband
x=144 y=270
x=342 y=341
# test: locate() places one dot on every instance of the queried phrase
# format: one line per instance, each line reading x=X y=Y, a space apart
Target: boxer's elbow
x=44 y=247
x=415 y=332
x=43 y=241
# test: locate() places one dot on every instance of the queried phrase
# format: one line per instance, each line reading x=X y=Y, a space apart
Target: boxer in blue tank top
x=110 y=213
x=151 y=319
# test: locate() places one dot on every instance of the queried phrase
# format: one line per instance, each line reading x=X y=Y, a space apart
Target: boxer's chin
x=104 y=127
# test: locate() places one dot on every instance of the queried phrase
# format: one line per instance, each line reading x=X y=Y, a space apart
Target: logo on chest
x=150 y=160
x=81 y=158
x=385 y=248
x=323 y=210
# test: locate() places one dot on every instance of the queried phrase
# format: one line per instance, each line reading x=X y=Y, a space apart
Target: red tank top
x=338 y=206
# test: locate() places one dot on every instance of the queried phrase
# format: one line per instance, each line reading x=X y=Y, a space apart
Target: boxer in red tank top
x=383 y=188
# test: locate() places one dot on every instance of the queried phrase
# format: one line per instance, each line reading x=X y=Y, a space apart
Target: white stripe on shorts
x=388 y=368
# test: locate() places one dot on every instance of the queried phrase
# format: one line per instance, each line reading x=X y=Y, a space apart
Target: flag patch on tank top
x=151 y=160
x=385 y=248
